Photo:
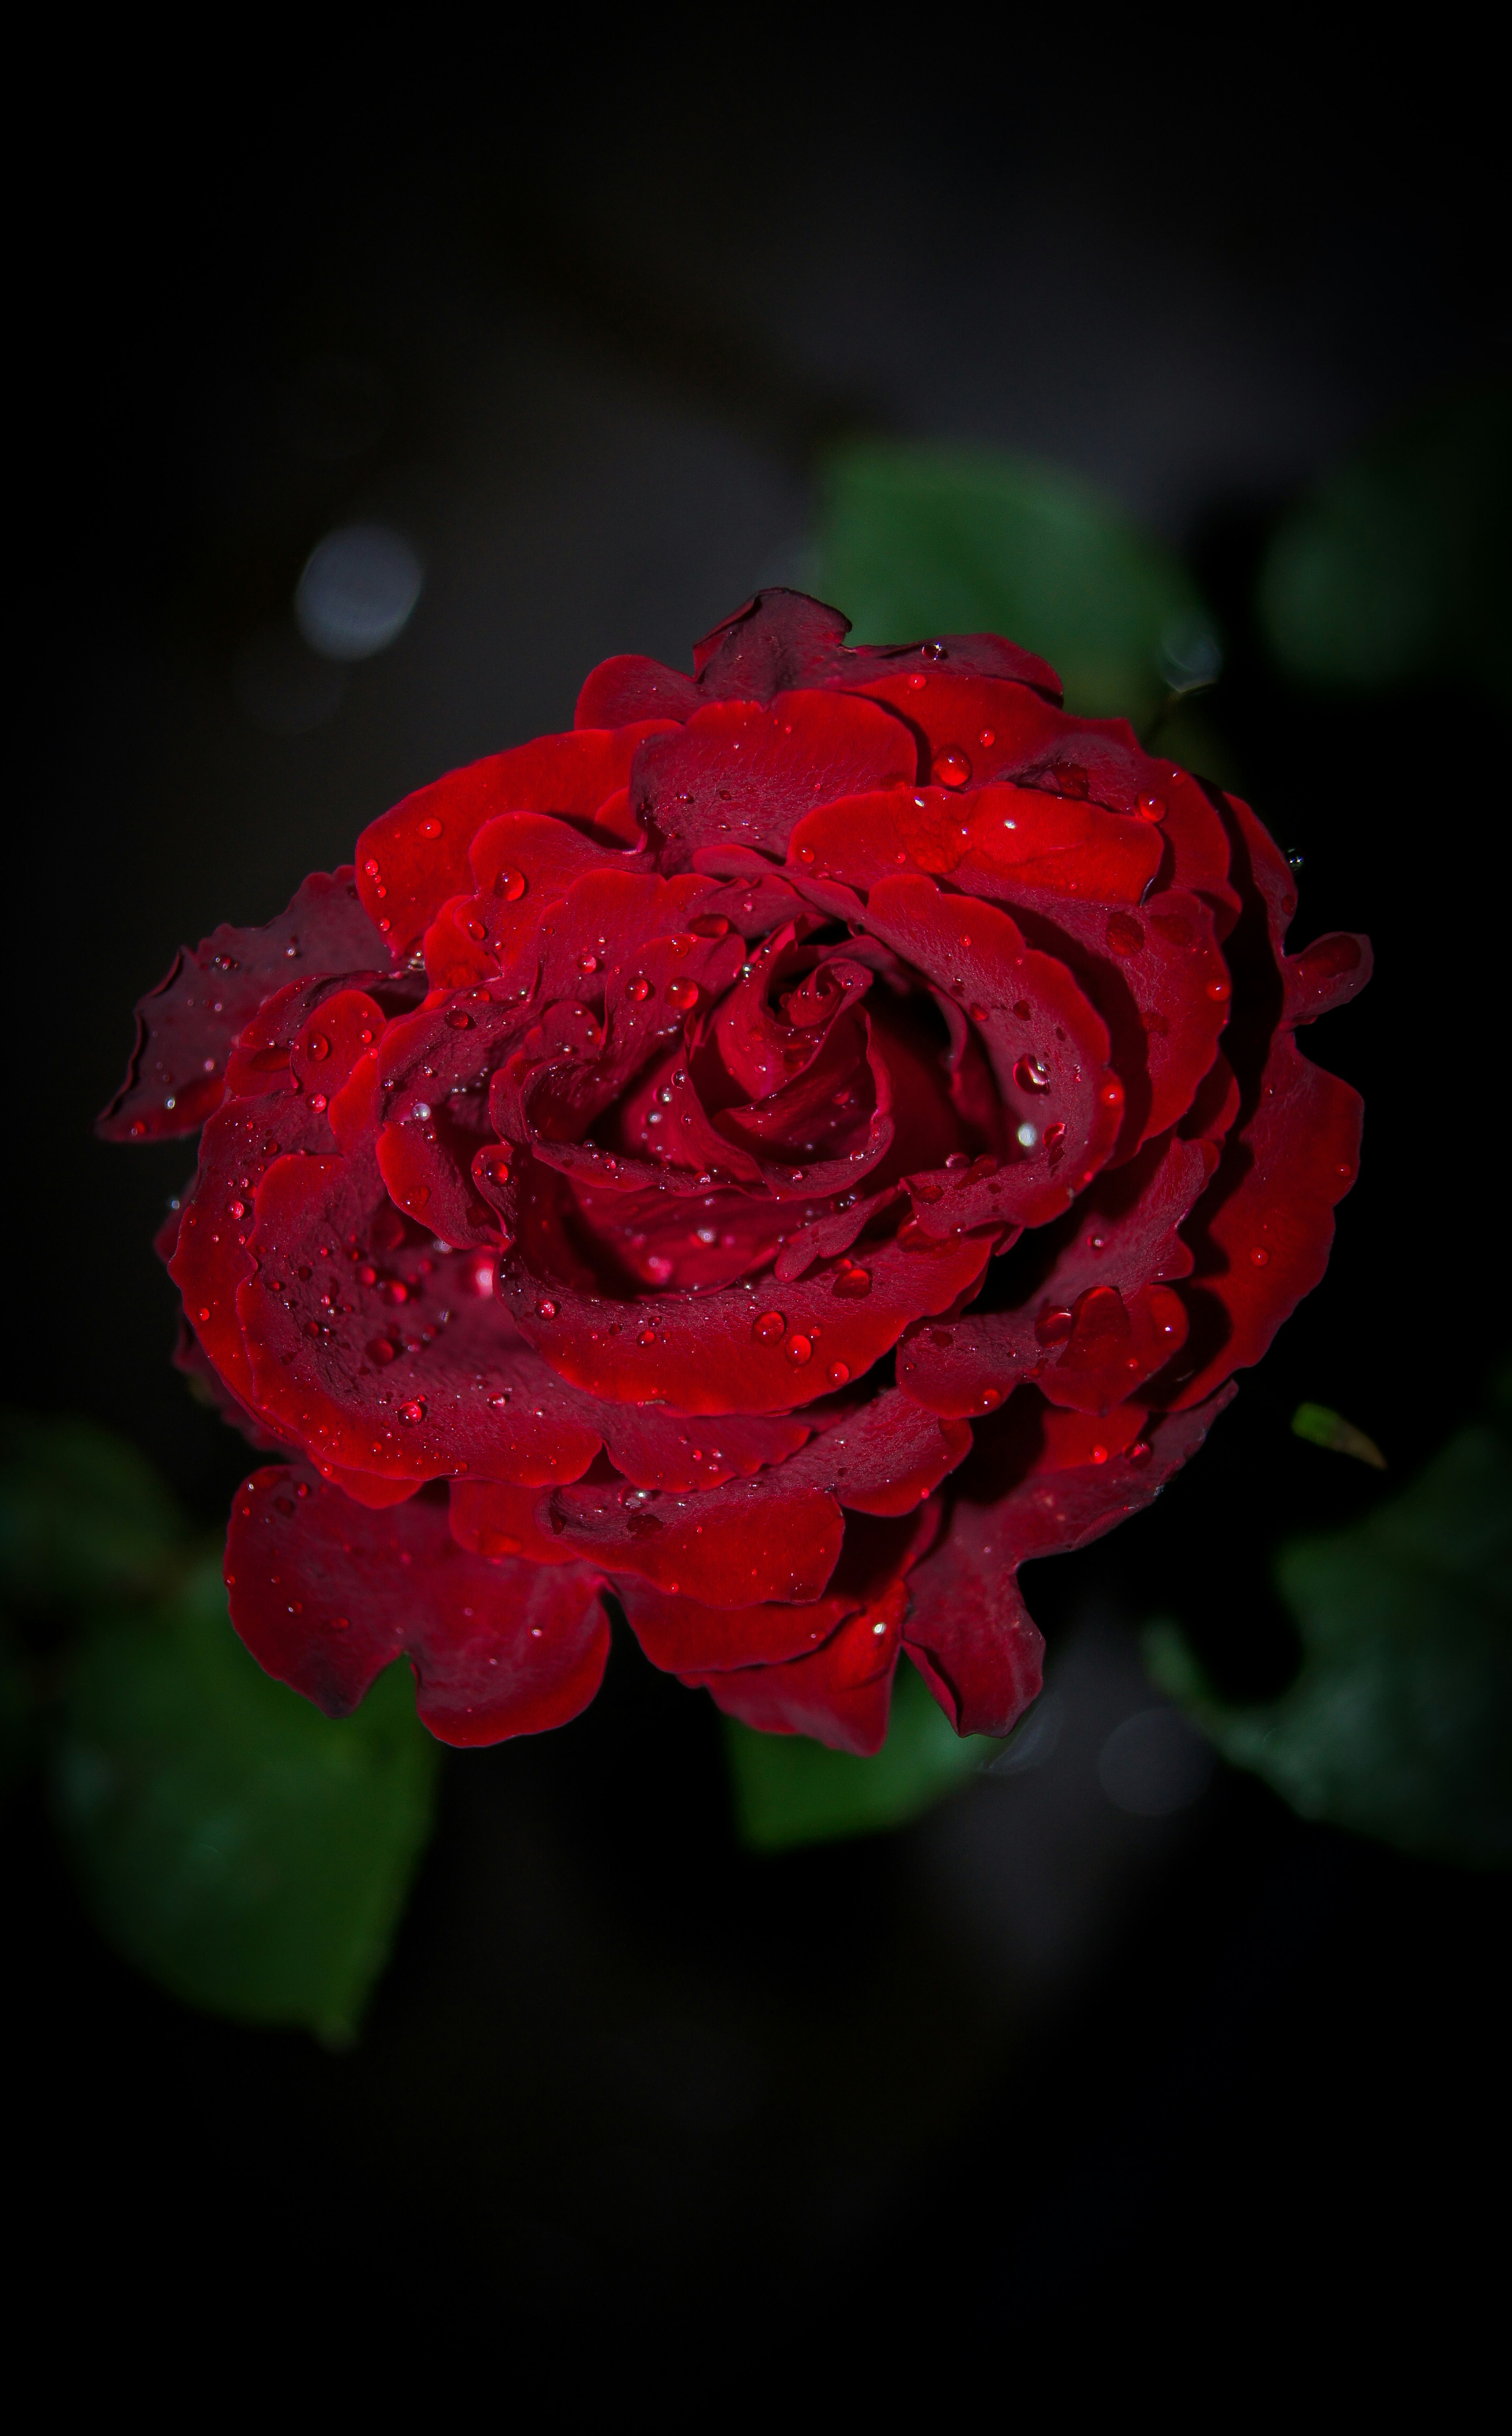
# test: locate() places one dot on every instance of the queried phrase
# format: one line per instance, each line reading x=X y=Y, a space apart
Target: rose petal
x=187 y=1026
x=1035 y=1489
x=1050 y=1062
x=742 y=774
x=1110 y=1280
x=325 y=1595
x=840 y=1696
x=412 y=858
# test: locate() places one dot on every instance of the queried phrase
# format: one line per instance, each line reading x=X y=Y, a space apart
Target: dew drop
x=1099 y=1454
x=339 y=1624
x=768 y=1327
x=640 y=991
x=990 y=1399
x=587 y=961
x=1031 y=1074
x=318 y=1046
x=414 y=1410
x=545 y=1308
x=511 y=884
x=459 y=1020
x=852 y=1282
x=1054 y=1325
x=431 y=829
x=682 y=994
x=951 y=767
x=318 y=1101
x=475 y=930
x=978 y=1014
x=1111 y=1094
x=798 y=1350
x=1261 y=1257
x=1219 y=990
x=987 y=737
x=1140 y=1451
x=839 y=1373
x=1055 y=1135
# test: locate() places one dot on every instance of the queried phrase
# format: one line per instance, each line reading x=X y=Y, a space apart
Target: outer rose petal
x=187 y=1026
x=968 y=1631
x=1120 y=1250
x=412 y=859
x=741 y=774
x=841 y=1696
x=325 y=1595
x=210 y=1260
x=1263 y=1229
x=783 y=638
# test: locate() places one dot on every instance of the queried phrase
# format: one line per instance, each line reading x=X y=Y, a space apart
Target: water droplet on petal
x=511 y=884
x=682 y=994
x=1054 y=1325
x=798 y=1350
x=458 y=1021
x=318 y=1046
x=990 y=1399
x=339 y=1624
x=587 y=961
x=1140 y=1451
x=475 y=930
x=1261 y=1257
x=852 y=1282
x=951 y=767
x=768 y=1327
x=1099 y=1454
x=1031 y=1074
x=640 y=991
x=545 y=1308
x=431 y=829
x=1219 y=990
x=839 y=1373
x=414 y=1410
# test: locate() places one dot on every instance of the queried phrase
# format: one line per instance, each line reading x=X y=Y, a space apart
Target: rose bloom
x=820 y=1133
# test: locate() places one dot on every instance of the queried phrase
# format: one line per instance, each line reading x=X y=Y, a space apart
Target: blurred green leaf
x=1399 y=1722
x=243 y=1849
x=916 y=540
x=1392 y=570
x=789 y=1790
x=1322 y=1426
x=83 y=1516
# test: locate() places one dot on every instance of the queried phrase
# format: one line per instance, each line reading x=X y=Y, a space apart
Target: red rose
x=822 y=1132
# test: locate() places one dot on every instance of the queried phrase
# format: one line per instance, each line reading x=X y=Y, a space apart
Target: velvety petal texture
x=819 y=1132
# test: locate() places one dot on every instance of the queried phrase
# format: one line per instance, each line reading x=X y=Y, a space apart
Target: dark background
x=1032 y=2086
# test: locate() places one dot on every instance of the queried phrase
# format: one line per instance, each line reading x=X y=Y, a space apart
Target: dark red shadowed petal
x=395 y=1363
x=1159 y=982
x=840 y=1696
x=630 y=687
x=734 y=1352
x=683 y=1635
x=776 y=1536
x=325 y=1595
x=187 y=1025
x=741 y=774
x=1039 y=1486
x=1263 y=1229
x=211 y=1259
x=1047 y=1044
x=1102 y=1319
x=495 y=1518
x=412 y=858
x=1326 y=974
x=782 y=638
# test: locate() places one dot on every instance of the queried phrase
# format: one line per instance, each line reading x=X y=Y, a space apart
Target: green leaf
x=246 y=1852
x=1322 y=1426
x=1392 y=570
x=789 y=1790
x=83 y=1516
x=917 y=540
x=1399 y=1722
